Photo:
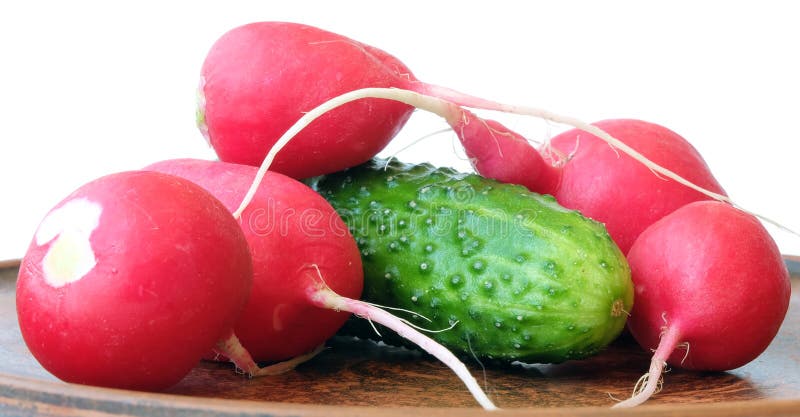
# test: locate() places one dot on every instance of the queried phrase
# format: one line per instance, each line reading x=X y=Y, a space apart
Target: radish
x=308 y=274
x=618 y=190
x=257 y=79
x=130 y=279
x=711 y=291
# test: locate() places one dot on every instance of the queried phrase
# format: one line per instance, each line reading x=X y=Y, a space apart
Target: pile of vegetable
x=540 y=256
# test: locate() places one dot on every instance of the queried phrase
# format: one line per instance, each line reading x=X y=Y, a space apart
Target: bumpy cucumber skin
x=522 y=278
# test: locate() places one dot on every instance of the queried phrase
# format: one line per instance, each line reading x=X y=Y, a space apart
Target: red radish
x=130 y=280
x=257 y=79
x=711 y=290
x=618 y=190
x=307 y=268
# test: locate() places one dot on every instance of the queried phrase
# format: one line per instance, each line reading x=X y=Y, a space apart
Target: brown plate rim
x=33 y=397
x=59 y=398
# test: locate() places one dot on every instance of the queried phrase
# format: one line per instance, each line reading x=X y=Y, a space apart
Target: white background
x=87 y=89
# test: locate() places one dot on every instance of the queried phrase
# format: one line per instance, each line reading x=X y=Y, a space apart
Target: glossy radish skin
x=130 y=280
x=259 y=78
x=711 y=289
x=289 y=227
x=609 y=186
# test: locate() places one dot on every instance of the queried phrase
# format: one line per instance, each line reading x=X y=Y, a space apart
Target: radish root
x=232 y=348
x=325 y=298
x=652 y=382
x=415 y=314
x=643 y=382
x=289 y=364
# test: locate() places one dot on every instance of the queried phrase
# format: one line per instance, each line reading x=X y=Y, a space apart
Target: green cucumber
x=513 y=275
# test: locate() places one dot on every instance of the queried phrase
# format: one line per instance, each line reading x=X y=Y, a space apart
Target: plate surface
x=356 y=377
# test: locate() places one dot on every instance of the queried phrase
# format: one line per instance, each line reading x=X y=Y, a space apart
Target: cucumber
x=511 y=275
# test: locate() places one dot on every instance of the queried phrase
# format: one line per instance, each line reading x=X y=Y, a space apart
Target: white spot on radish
x=70 y=256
